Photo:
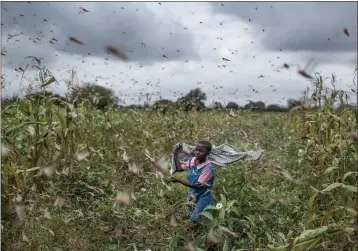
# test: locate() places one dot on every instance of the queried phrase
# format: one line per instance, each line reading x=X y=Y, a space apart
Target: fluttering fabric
x=221 y=155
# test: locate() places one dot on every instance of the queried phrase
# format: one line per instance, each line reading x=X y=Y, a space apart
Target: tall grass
x=63 y=166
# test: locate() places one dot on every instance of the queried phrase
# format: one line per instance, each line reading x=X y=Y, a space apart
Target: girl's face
x=200 y=152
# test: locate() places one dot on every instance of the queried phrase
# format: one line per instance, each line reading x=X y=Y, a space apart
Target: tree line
x=102 y=98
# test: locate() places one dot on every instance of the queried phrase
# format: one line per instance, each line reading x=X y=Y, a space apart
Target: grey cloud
x=294 y=26
x=105 y=24
x=16 y=53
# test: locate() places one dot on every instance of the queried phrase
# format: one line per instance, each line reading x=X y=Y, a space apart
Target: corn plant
x=64 y=162
x=330 y=156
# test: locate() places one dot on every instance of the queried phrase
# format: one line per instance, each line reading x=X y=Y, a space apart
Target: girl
x=200 y=178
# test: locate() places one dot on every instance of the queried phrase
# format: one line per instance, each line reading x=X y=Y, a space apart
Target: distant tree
x=196 y=94
x=132 y=106
x=342 y=107
x=255 y=106
x=163 y=105
x=216 y=105
x=260 y=105
x=97 y=95
x=6 y=101
x=194 y=100
x=293 y=103
x=275 y=108
x=232 y=105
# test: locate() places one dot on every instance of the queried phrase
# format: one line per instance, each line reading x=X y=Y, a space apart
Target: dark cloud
x=146 y=38
x=294 y=26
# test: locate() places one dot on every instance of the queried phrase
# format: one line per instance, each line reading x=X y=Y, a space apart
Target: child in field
x=200 y=178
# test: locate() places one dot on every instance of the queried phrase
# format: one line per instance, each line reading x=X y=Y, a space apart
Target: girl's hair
x=206 y=144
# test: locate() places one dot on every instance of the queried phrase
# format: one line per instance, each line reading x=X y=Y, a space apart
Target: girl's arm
x=203 y=179
x=185 y=183
x=177 y=163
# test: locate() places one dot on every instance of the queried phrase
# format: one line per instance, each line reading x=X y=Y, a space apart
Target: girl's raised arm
x=179 y=167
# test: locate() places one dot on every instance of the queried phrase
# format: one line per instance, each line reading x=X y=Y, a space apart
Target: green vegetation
x=62 y=166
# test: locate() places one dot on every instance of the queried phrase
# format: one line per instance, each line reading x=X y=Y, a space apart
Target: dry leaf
x=168 y=187
x=117 y=232
x=161 y=193
x=18 y=198
x=31 y=130
x=125 y=157
x=147 y=154
x=232 y=113
x=20 y=211
x=135 y=247
x=159 y=175
x=73 y=115
x=59 y=202
x=162 y=165
x=66 y=221
x=4 y=150
x=275 y=202
x=47 y=214
x=133 y=196
x=227 y=230
x=82 y=155
x=51 y=232
x=32 y=206
x=173 y=221
x=288 y=177
x=47 y=171
x=34 y=187
x=24 y=237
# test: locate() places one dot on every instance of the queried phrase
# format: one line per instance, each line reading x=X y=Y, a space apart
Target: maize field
x=78 y=178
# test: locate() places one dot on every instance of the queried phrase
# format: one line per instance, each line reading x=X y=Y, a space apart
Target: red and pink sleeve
x=205 y=176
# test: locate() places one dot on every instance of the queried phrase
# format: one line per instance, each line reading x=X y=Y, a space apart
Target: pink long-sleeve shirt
x=205 y=175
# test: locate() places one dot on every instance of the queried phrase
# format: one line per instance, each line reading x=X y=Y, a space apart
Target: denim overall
x=203 y=195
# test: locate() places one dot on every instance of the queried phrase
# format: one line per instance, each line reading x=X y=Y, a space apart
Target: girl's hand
x=177 y=148
x=174 y=180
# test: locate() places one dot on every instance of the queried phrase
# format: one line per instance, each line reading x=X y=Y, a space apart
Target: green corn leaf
x=348 y=174
x=350 y=188
x=330 y=169
x=48 y=82
x=331 y=187
x=207 y=215
x=210 y=207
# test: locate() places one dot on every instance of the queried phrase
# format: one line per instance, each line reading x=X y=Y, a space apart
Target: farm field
x=96 y=97
x=59 y=179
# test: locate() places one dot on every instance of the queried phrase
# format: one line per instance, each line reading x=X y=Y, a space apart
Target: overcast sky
x=174 y=47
